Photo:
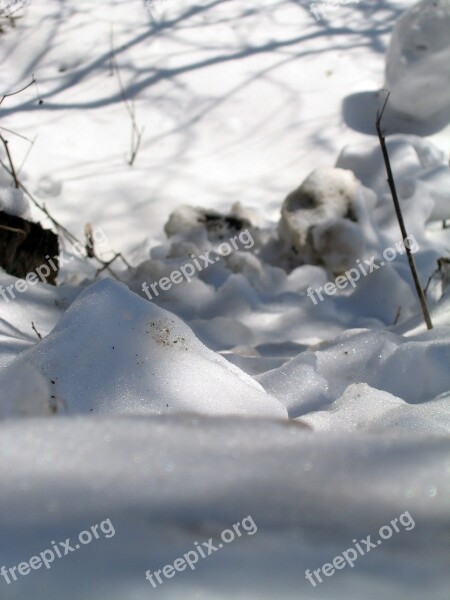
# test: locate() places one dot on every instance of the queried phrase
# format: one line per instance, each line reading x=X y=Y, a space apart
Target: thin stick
x=398 y=210
x=30 y=148
x=18 y=91
x=11 y=164
x=72 y=238
x=136 y=133
x=19 y=185
x=35 y=330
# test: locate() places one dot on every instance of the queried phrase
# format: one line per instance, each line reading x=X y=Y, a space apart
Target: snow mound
x=418 y=61
x=363 y=408
x=114 y=353
x=414 y=369
x=422 y=176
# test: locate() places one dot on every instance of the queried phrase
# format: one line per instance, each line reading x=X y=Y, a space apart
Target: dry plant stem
x=136 y=133
x=398 y=210
x=11 y=164
x=35 y=330
x=72 y=239
x=19 y=185
x=18 y=91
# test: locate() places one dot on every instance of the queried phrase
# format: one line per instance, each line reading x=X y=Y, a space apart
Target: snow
x=230 y=392
x=147 y=361
x=316 y=215
x=381 y=359
x=167 y=481
x=417 y=61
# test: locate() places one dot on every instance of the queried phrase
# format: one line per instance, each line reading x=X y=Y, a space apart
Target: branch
x=136 y=133
x=398 y=211
x=33 y=80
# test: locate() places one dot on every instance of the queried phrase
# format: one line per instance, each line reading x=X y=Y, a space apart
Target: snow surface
x=418 y=59
x=112 y=352
x=233 y=394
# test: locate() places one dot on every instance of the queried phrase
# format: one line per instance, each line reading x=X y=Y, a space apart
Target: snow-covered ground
x=264 y=353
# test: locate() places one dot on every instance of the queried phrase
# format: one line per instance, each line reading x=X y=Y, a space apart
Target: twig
x=136 y=133
x=106 y=264
x=30 y=148
x=19 y=185
x=11 y=164
x=89 y=241
x=397 y=316
x=398 y=210
x=13 y=229
x=33 y=80
x=35 y=330
x=65 y=232
x=23 y=137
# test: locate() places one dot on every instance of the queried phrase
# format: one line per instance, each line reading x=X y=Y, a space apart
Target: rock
x=317 y=216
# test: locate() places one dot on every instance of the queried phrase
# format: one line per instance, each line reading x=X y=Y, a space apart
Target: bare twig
x=136 y=133
x=19 y=135
x=26 y=155
x=11 y=164
x=18 y=91
x=35 y=330
x=89 y=240
x=398 y=210
x=13 y=229
x=90 y=251
x=63 y=231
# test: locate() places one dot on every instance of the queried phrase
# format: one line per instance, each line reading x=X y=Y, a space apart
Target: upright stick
x=398 y=210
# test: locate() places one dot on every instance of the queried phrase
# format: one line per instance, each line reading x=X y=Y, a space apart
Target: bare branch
x=398 y=211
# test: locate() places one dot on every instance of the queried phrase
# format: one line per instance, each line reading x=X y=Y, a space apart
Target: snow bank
x=364 y=408
x=418 y=61
x=113 y=352
x=422 y=178
x=414 y=369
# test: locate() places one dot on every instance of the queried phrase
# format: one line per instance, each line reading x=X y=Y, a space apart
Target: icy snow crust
x=234 y=394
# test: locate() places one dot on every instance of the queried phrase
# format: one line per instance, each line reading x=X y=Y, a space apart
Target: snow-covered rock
x=113 y=352
x=321 y=215
x=418 y=61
